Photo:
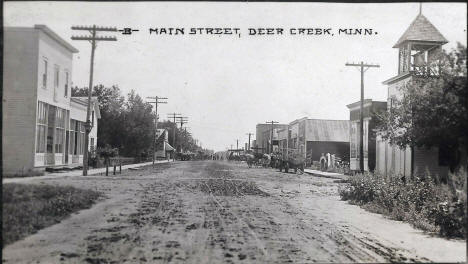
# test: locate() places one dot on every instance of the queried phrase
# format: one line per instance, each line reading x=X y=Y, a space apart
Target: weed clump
x=421 y=201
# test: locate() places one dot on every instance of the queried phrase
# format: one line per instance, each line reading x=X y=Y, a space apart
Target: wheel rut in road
x=214 y=212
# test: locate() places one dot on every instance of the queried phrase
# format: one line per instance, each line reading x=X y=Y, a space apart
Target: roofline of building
x=83 y=101
x=402 y=40
x=366 y=101
x=328 y=141
x=327 y=119
x=56 y=37
x=352 y=105
x=298 y=120
x=397 y=78
x=397 y=45
x=275 y=124
x=77 y=101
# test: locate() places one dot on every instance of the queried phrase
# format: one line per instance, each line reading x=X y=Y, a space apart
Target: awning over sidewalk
x=168 y=147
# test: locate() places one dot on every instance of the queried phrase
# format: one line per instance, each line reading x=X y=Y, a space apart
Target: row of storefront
x=417 y=48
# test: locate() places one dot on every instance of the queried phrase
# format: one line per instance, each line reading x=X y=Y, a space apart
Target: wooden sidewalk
x=77 y=173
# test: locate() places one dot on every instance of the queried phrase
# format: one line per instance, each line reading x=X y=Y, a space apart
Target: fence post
x=120 y=167
x=113 y=173
x=107 y=166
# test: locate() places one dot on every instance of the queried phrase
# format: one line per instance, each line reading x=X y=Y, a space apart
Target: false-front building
x=418 y=48
x=266 y=137
x=370 y=108
x=43 y=126
x=314 y=137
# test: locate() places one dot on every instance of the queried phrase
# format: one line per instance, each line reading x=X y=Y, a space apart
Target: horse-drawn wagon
x=292 y=160
x=258 y=159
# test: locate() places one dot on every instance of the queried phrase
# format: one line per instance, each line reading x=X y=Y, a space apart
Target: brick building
x=417 y=47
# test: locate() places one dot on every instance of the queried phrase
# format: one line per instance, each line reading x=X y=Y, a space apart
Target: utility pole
x=93 y=39
x=157 y=100
x=174 y=116
x=270 y=147
x=287 y=143
x=363 y=68
x=182 y=120
x=249 y=134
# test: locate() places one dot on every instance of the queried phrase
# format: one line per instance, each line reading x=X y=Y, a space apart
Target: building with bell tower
x=418 y=49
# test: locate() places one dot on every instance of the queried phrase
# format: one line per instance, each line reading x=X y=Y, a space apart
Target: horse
x=250 y=160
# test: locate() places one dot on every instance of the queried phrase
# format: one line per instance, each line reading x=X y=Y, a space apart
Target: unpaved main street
x=219 y=212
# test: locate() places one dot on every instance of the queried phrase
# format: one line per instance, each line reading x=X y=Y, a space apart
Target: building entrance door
x=67 y=141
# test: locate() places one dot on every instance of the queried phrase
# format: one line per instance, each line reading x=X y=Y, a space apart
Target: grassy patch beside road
x=424 y=202
x=28 y=208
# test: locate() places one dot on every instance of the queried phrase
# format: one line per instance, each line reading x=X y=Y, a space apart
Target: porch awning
x=168 y=147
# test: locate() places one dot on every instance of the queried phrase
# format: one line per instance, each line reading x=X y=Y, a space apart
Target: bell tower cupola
x=418 y=47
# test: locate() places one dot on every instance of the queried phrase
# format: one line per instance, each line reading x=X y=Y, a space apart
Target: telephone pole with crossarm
x=93 y=39
x=363 y=68
x=174 y=116
x=157 y=100
x=270 y=147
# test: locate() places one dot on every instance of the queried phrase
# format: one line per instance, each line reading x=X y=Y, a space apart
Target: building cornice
x=56 y=37
x=397 y=78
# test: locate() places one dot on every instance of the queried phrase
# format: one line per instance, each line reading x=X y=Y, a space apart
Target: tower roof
x=421 y=30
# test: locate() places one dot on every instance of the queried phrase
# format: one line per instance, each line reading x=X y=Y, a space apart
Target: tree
x=129 y=124
x=139 y=126
x=433 y=110
x=111 y=106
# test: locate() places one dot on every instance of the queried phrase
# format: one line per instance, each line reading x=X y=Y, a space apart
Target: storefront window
x=50 y=128
x=41 y=127
x=60 y=130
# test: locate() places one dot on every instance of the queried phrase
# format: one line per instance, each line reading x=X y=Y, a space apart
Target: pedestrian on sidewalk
x=322 y=162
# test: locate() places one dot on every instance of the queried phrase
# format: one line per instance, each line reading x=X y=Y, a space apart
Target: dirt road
x=219 y=212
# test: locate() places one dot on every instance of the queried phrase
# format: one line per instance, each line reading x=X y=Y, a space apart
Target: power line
x=157 y=100
x=362 y=65
x=214 y=127
x=93 y=39
x=249 y=134
x=182 y=120
x=174 y=116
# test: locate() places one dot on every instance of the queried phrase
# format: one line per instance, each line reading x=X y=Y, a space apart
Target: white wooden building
x=417 y=49
x=43 y=126
x=163 y=149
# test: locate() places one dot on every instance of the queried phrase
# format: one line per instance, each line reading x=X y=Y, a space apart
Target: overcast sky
x=227 y=84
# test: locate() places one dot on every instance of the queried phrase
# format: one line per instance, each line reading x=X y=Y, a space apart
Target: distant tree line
x=127 y=123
